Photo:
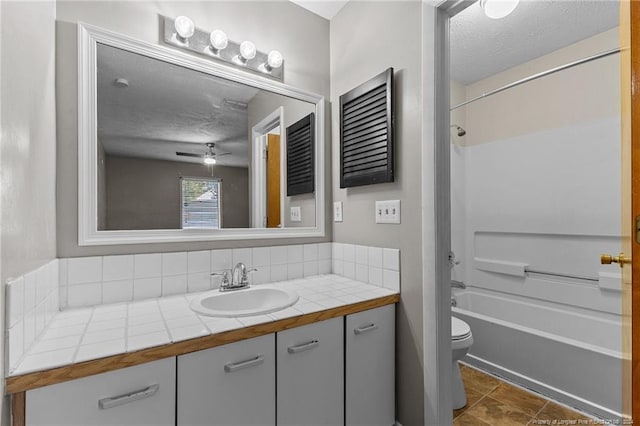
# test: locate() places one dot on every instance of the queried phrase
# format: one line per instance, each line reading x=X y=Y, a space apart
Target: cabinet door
x=228 y=385
x=311 y=374
x=370 y=367
x=140 y=395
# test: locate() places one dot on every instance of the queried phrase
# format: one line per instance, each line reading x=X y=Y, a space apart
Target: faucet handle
x=245 y=279
x=225 y=277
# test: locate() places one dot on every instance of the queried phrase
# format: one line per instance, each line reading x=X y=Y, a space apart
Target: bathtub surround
x=32 y=302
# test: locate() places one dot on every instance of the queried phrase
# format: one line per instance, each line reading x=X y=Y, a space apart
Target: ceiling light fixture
x=209 y=159
x=496 y=9
x=219 y=41
x=185 y=28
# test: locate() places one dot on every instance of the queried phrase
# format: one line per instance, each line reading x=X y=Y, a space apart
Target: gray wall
x=27 y=151
x=301 y=36
x=263 y=104
x=146 y=194
x=359 y=50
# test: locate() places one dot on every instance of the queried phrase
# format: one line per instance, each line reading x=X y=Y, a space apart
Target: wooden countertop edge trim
x=39 y=379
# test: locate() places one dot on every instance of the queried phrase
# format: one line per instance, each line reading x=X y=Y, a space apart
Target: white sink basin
x=242 y=303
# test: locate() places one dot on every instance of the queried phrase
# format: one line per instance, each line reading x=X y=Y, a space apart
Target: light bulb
x=247 y=50
x=184 y=27
x=274 y=59
x=209 y=160
x=496 y=9
x=218 y=39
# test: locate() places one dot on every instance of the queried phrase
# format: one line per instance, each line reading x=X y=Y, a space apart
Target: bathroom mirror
x=174 y=147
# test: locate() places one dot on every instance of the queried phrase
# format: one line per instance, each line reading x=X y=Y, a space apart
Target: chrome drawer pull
x=107 y=403
x=234 y=366
x=365 y=328
x=303 y=347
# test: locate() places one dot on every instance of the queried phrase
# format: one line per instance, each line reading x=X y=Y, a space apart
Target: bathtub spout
x=458 y=284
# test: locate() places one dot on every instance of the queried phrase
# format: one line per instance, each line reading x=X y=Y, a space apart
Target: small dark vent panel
x=300 y=156
x=366 y=132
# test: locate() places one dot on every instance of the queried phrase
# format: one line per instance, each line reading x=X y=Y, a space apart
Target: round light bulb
x=184 y=27
x=219 y=39
x=209 y=160
x=247 y=50
x=275 y=59
x=496 y=9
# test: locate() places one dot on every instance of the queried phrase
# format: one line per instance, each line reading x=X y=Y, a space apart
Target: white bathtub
x=571 y=356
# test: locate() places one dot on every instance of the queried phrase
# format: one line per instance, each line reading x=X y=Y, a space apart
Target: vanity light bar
x=240 y=55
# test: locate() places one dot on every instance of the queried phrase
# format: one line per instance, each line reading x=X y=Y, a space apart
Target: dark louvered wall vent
x=300 y=156
x=366 y=132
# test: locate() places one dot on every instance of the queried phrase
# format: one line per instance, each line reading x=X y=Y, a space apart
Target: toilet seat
x=459 y=329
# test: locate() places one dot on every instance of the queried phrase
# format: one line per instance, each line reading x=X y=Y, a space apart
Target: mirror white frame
x=88 y=233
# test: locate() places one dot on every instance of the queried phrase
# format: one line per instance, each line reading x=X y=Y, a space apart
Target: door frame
x=439 y=409
x=632 y=366
x=259 y=167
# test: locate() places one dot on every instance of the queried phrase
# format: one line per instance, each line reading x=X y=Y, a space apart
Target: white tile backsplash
x=116 y=268
x=147 y=265
x=174 y=263
x=198 y=261
x=391 y=259
x=32 y=301
x=221 y=260
x=373 y=265
x=83 y=270
x=261 y=256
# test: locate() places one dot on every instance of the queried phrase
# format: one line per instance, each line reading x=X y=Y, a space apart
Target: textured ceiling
x=326 y=8
x=481 y=46
x=168 y=108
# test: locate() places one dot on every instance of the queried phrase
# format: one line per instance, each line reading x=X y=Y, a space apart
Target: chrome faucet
x=239 y=278
x=458 y=284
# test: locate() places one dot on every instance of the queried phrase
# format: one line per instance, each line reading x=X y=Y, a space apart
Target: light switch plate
x=388 y=211
x=296 y=215
x=337 y=211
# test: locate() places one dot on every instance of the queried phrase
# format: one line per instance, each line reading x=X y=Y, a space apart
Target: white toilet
x=461 y=341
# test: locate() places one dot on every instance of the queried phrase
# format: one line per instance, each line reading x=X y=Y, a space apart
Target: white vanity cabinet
x=228 y=385
x=370 y=367
x=310 y=378
x=143 y=395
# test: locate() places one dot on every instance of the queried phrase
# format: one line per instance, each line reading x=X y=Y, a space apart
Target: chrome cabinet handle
x=234 y=366
x=365 y=328
x=303 y=347
x=147 y=392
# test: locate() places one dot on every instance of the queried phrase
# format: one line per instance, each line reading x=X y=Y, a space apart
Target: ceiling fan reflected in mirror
x=209 y=157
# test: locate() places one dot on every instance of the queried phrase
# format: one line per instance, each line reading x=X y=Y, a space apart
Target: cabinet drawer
x=370 y=367
x=228 y=385
x=311 y=374
x=134 y=396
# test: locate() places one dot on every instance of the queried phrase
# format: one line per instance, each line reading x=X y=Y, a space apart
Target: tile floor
x=493 y=402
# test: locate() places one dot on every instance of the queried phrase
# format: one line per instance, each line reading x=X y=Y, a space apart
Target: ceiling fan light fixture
x=497 y=9
x=209 y=159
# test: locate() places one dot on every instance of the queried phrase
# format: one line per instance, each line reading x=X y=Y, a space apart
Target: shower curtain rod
x=539 y=75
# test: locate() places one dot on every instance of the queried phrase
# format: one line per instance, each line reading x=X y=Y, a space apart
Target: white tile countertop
x=85 y=334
